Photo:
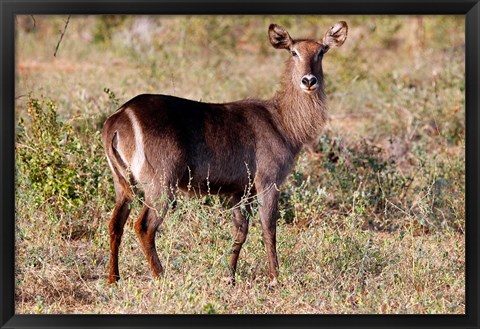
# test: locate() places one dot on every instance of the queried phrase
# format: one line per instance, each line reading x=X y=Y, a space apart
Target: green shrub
x=58 y=170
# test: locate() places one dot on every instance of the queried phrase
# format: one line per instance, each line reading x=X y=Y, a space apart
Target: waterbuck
x=158 y=144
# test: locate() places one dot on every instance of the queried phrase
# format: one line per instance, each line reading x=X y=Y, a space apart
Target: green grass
x=372 y=217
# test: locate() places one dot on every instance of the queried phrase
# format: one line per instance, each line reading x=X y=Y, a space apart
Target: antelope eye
x=294 y=53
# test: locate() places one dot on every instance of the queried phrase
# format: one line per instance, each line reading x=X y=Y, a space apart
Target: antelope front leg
x=268 y=217
x=240 y=231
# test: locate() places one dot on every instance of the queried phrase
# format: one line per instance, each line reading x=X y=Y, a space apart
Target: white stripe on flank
x=110 y=163
x=139 y=154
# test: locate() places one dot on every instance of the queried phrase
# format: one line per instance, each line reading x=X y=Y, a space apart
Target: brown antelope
x=159 y=143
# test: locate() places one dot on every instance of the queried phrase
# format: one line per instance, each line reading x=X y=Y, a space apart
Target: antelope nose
x=309 y=80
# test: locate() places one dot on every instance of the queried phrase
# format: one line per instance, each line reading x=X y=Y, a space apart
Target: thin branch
x=21 y=96
x=34 y=21
x=61 y=36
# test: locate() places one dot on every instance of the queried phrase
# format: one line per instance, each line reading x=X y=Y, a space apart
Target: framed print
x=228 y=164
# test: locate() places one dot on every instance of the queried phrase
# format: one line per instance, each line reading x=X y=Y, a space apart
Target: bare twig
x=21 y=96
x=61 y=36
x=26 y=146
x=34 y=21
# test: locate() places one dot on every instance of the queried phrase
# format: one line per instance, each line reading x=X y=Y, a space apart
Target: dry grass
x=372 y=218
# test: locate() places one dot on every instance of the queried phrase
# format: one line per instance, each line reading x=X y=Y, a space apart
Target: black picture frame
x=8 y=9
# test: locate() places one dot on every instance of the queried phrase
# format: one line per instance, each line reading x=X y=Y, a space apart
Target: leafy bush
x=58 y=170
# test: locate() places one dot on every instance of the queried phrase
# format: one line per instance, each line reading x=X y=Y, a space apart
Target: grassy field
x=372 y=217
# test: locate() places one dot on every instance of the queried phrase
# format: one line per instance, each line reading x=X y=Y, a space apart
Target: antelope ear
x=279 y=37
x=336 y=35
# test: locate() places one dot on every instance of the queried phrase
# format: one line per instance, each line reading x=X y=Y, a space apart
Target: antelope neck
x=300 y=114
